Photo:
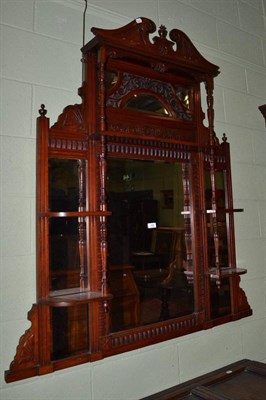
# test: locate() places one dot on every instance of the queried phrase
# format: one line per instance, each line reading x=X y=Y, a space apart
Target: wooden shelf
x=73 y=297
x=75 y=214
x=223 y=210
x=212 y=211
x=228 y=210
x=226 y=272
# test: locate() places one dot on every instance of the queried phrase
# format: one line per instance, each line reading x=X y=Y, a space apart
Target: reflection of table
x=169 y=286
x=145 y=259
x=150 y=278
x=150 y=289
x=167 y=243
x=150 y=284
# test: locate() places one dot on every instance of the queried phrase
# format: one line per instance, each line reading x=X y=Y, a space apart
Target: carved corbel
x=263 y=111
x=26 y=360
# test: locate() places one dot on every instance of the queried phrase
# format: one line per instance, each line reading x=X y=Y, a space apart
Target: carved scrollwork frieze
x=167 y=92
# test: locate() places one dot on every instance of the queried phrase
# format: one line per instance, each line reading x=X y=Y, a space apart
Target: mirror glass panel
x=67 y=234
x=222 y=218
x=184 y=96
x=146 y=103
x=220 y=296
x=64 y=254
x=146 y=242
x=66 y=184
x=216 y=222
x=70 y=334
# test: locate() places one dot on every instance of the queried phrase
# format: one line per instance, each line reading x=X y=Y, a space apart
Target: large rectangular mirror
x=146 y=242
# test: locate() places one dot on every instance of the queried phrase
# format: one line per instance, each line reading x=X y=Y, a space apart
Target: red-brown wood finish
x=263 y=111
x=99 y=128
x=244 y=379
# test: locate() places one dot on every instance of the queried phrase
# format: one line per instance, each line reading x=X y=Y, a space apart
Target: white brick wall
x=40 y=63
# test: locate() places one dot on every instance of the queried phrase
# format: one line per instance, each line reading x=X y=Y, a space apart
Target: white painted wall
x=40 y=63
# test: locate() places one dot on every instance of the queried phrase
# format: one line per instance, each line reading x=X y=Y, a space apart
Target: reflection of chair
x=176 y=276
x=175 y=284
x=125 y=302
x=165 y=241
x=168 y=243
x=170 y=284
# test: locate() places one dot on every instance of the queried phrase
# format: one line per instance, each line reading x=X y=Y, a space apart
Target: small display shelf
x=223 y=210
x=63 y=214
x=72 y=297
x=226 y=272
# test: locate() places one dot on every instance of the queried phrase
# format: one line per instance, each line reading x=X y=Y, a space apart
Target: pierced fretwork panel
x=149 y=95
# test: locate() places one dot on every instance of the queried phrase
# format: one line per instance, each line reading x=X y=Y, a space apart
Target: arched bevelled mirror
x=135 y=216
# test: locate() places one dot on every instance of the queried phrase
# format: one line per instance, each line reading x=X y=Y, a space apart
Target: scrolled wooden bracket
x=26 y=360
x=263 y=111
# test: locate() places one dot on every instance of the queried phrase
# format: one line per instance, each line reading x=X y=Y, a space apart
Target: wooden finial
x=162 y=31
x=42 y=111
x=224 y=138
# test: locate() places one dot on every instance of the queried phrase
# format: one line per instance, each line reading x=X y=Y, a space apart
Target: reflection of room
x=146 y=240
x=140 y=191
x=64 y=194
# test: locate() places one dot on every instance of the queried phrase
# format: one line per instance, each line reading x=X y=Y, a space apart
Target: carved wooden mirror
x=135 y=216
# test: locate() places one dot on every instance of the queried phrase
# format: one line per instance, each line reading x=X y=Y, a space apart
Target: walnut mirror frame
x=141 y=104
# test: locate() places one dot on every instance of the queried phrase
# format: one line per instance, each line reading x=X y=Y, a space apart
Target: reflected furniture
x=242 y=380
x=140 y=144
x=166 y=242
x=124 y=306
